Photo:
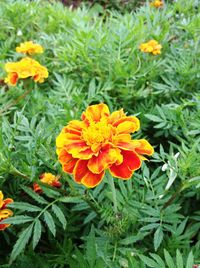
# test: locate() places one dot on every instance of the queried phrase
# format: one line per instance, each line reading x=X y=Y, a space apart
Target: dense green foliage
x=93 y=56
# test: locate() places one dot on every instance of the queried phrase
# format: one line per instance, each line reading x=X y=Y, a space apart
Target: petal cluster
x=151 y=46
x=49 y=179
x=25 y=68
x=29 y=48
x=4 y=211
x=157 y=3
x=101 y=141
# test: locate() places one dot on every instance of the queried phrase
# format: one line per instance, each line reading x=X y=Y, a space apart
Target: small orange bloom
x=4 y=212
x=23 y=69
x=157 y=4
x=99 y=142
x=49 y=179
x=29 y=48
x=151 y=47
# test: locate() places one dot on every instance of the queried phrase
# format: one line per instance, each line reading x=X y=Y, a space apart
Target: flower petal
x=67 y=161
x=83 y=175
x=104 y=159
x=131 y=162
x=143 y=147
x=126 y=125
x=95 y=113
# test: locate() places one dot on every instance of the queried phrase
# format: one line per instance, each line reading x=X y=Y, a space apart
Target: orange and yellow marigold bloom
x=4 y=212
x=157 y=4
x=49 y=179
x=101 y=141
x=151 y=47
x=29 y=48
x=23 y=69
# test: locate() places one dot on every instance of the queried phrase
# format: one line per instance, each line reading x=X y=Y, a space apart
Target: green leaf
x=148 y=261
x=21 y=242
x=158 y=237
x=168 y=259
x=35 y=196
x=37 y=232
x=153 y=117
x=24 y=206
x=18 y=220
x=50 y=222
x=59 y=214
x=91 y=248
x=190 y=260
x=70 y=199
x=179 y=259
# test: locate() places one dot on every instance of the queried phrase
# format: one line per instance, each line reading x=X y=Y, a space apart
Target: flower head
x=101 y=141
x=4 y=212
x=23 y=69
x=29 y=48
x=49 y=179
x=151 y=47
x=157 y=3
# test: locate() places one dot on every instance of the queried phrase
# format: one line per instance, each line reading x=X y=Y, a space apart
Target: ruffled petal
x=67 y=161
x=105 y=158
x=95 y=113
x=5 y=213
x=3 y=226
x=126 y=125
x=143 y=147
x=6 y=201
x=84 y=176
x=131 y=162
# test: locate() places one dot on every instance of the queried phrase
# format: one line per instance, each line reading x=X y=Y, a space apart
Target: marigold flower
x=23 y=69
x=151 y=47
x=29 y=48
x=157 y=4
x=49 y=179
x=99 y=142
x=4 y=212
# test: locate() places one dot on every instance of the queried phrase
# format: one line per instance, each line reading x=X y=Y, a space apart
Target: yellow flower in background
x=157 y=3
x=49 y=179
x=151 y=47
x=23 y=69
x=4 y=212
x=101 y=141
x=29 y=48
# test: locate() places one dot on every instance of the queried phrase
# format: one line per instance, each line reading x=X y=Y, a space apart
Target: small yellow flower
x=151 y=47
x=23 y=69
x=4 y=212
x=157 y=4
x=29 y=48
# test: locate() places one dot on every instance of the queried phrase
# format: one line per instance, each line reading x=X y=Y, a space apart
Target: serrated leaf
x=158 y=259
x=37 y=232
x=35 y=196
x=21 y=242
x=59 y=214
x=154 y=118
x=50 y=222
x=169 y=259
x=91 y=248
x=179 y=259
x=158 y=237
x=70 y=199
x=18 y=220
x=24 y=206
x=190 y=260
x=149 y=262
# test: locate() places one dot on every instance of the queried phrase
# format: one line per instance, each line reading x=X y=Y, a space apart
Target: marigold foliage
x=99 y=142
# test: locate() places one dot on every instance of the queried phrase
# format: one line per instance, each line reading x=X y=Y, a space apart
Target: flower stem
x=114 y=195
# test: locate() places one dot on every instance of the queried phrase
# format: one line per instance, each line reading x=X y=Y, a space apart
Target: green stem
x=112 y=186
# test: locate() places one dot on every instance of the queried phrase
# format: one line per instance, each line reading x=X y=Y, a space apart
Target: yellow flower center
x=97 y=133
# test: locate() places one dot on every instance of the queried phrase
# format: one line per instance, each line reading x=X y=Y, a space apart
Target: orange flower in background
x=23 y=69
x=157 y=3
x=99 y=142
x=4 y=212
x=29 y=48
x=49 y=179
x=151 y=47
